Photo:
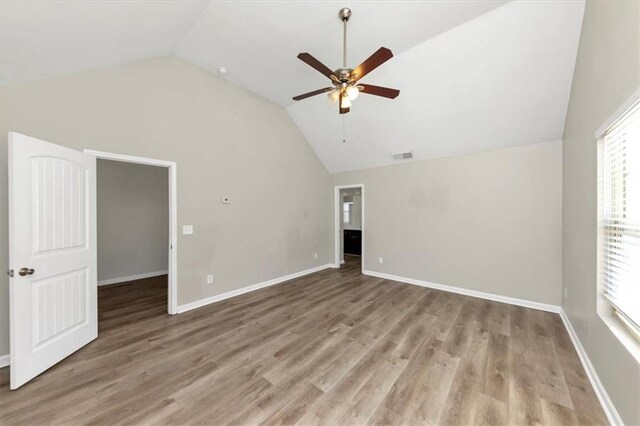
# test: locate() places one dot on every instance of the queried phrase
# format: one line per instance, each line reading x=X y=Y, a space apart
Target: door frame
x=172 y=304
x=337 y=220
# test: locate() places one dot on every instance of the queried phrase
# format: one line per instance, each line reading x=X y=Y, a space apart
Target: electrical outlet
x=209 y=279
x=187 y=229
x=315 y=255
x=380 y=260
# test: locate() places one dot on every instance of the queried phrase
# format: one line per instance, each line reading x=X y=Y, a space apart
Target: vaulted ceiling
x=474 y=76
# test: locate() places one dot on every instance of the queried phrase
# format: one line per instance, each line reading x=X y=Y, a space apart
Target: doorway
x=349 y=225
x=122 y=256
x=53 y=251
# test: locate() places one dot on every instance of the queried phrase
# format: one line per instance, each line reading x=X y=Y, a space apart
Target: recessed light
x=222 y=70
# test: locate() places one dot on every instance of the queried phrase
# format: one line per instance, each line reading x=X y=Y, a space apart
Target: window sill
x=623 y=335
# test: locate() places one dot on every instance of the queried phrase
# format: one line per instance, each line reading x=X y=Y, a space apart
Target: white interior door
x=52 y=252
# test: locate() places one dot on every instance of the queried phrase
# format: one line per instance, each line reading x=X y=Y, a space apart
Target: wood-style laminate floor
x=335 y=347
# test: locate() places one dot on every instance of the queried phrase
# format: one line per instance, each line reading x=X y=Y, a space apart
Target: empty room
x=320 y=212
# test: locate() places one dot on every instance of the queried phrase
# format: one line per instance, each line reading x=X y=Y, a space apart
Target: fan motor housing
x=343 y=73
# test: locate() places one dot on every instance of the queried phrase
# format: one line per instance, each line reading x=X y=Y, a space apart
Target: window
x=347 y=208
x=619 y=218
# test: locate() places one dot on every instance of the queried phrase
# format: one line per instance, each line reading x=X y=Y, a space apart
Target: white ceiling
x=41 y=39
x=474 y=75
x=259 y=41
x=500 y=80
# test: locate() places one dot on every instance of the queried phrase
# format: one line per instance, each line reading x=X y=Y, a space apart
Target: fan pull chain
x=344 y=129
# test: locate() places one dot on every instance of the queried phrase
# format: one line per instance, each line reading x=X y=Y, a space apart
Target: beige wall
x=133 y=219
x=607 y=73
x=226 y=142
x=488 y=222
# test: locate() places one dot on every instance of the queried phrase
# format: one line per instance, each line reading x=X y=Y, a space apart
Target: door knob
x=25 y=271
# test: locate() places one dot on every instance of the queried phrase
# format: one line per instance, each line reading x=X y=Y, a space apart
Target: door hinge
x=10 y=273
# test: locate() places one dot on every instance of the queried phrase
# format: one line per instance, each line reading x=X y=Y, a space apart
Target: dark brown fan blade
x=381 y=56
x=315 y=92
x=385 y=92
x=343 y=110
x=316 y=64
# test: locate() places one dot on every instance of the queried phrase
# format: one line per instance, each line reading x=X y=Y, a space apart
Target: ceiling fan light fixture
x=345 y=80
x=334 y=95
x=352 y=92
x=345 y=102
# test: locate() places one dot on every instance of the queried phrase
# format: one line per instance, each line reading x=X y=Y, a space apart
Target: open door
x=52 y=254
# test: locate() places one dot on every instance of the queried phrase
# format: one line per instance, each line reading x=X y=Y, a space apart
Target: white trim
x=607 y=406
x=132 y=277
x=622 y=333
x=619 y=112
x=337 y=220
x=466 y=292
x=4 y=360
x=254 y=287
x=129 y=158
x=172 y=303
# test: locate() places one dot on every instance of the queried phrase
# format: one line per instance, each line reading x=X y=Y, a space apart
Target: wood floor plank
x=404 y=392
x=496 y=377
x=433 y=392
x=467 y=385
x=489 y=411
x=334 y=347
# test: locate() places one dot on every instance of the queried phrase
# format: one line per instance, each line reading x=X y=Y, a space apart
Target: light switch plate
x=187 y=229
x=209 y=279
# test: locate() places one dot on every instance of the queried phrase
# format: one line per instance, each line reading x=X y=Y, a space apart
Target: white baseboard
x=473 y=293
x=4 y=360
x=254 y=287
x=132 y=277
x=607 y=406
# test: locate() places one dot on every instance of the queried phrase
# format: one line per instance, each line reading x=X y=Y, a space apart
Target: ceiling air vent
x=403 y=155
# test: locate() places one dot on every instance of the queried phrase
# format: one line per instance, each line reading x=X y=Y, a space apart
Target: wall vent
x=403 y=155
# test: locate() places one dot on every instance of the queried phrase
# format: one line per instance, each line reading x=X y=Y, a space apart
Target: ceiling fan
x=345 y=88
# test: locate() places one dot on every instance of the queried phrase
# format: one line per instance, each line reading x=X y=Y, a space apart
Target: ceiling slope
x=42 y=39
x=473 y=76
x=498 y=81
x=258 y=41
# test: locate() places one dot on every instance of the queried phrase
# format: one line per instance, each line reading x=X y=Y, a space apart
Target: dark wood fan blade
x=316 y=64
x=385 y=92
x=315 y=92
x=381 y=56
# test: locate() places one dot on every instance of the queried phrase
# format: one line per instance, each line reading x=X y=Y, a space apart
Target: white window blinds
x=620 y=221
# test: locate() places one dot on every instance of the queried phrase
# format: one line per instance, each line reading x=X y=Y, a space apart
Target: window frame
x=614 y=318
x=348 y=211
